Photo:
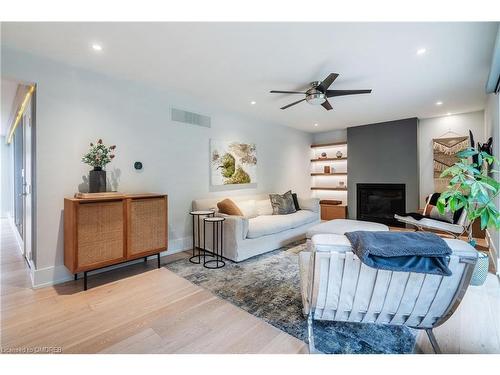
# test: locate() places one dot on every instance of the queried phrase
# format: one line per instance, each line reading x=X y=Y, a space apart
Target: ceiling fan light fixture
x=316 y=98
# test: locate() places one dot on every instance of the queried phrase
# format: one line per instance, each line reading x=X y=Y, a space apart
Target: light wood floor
x=141 y=309
x=135 y=309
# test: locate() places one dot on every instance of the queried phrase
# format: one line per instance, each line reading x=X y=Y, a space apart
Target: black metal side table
x=196 y=258
x=217 y=242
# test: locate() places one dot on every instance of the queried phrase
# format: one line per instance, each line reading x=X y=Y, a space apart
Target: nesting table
x=217 y=253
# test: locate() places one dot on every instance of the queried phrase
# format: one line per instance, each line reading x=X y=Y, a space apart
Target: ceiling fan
x=319 y=93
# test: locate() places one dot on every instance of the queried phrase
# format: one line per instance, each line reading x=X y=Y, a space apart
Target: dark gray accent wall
x=384 y=152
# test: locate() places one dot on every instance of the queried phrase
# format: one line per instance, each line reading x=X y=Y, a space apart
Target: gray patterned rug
x=267 y=286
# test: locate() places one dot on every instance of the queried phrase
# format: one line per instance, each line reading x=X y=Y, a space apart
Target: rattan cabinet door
x=100 y=233
x=147 y=229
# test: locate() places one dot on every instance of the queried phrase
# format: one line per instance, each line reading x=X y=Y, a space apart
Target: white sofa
x=259 y=231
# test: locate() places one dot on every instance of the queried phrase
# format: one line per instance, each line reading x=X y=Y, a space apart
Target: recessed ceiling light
x=421 y=51
x=439 y=103
x=96 y=47
x=253 y=102
x=315 y=124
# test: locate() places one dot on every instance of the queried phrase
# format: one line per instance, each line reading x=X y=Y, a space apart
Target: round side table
x=217 y=242
x=196 y=258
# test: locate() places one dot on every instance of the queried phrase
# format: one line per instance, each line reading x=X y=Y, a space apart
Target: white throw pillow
x=264 y=207
x=248 y=208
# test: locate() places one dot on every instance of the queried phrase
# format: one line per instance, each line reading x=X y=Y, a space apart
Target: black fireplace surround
x=379 y=202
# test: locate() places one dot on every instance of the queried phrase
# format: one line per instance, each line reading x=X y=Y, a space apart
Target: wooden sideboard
x=103 y=231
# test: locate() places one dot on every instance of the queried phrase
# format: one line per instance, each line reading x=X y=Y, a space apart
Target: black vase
x=97 y=180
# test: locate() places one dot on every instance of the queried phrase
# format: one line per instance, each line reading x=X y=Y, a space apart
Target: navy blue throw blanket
x=421 y=252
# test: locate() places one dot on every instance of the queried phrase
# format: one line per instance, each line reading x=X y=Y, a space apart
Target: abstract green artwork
x=232 y=163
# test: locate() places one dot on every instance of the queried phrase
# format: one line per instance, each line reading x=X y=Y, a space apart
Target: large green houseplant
x=472 y=188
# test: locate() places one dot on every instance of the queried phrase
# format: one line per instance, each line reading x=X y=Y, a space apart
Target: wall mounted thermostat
x=138 y=165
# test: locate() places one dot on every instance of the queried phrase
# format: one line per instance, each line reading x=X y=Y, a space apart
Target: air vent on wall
x=190 y=118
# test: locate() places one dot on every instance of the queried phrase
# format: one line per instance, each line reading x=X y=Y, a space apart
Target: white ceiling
x=231 y=64
x=8 y=94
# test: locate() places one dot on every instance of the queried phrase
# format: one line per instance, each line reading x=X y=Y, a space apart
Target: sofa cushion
x=282 y=204
x=248 y=208
x=228 y=207
x=302 y=217
x=269 y=224
x=264 y=207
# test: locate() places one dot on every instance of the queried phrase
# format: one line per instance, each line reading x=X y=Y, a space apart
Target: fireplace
x=379 y=202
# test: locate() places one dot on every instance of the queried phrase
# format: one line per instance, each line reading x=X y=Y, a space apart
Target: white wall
x=6 y=179
x=339 y=135
x=492 y=129
x=435 y=128
x=75 y=107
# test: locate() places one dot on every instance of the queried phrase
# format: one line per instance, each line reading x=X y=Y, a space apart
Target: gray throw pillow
x=282 y=204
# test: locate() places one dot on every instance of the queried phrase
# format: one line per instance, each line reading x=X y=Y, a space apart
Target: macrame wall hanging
x=445 y=150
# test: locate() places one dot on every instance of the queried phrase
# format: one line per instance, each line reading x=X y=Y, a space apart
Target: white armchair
x=335 y=285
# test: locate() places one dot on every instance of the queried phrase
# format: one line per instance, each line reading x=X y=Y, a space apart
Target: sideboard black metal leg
x=85 y=280
x=145 y=259
x=158 y=255
x=76 y=276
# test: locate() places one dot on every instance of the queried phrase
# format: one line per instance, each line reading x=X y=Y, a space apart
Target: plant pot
x=97 y=180
x=480 y=270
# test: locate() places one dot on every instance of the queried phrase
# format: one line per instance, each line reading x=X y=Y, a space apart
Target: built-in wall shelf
x=329 y=144
x=330 y=174
x=330 y=188
x=329 y=159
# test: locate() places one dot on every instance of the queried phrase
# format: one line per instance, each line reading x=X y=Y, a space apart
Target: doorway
x=18 y=177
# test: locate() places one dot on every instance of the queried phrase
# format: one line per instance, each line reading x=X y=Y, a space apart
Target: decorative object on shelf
x=326 y=169
x=339 y=154
x=473 y=190
x=138 y=165
x=323 y=155
x=106 y=194
x=98 y=156
x=445 y=150
x=232 y=163
x=341 y=184
x=332 y=169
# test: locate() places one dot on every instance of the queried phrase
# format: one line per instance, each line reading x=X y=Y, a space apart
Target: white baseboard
x=48 y=276
x=19 y=240
x=494 y=252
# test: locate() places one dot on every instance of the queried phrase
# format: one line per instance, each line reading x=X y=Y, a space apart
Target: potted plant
x=473 y=188
x=98 y=156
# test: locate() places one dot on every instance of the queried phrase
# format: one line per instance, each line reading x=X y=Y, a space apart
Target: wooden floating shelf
x=330 y=159
x=329 y=188
x=329 y=144
x=330 y=174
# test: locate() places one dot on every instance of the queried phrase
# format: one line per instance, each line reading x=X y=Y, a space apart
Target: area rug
x=268 y=287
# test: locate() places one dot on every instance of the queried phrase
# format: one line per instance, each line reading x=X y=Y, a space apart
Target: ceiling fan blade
x=327 y=82
x=326 y=105
x=286 y=92
x=332 y=93
x=289 y=105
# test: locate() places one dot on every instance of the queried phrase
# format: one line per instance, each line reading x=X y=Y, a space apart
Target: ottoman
x=340 y=226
